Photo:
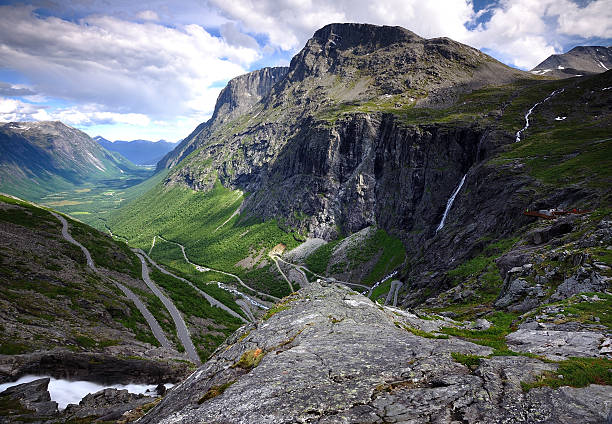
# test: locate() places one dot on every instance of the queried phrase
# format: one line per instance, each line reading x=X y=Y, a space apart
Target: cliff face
x=346 y=170
x=376 y=126
x=329 y=355
x=240 y=94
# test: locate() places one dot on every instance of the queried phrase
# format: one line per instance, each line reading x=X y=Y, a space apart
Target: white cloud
x=128 y=67
x=520 y=32
x=593 y=20
x=289 y=23
x=148 y=15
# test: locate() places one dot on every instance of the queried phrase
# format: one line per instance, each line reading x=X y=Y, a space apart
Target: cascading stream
x=530 y=111
x=449 y=204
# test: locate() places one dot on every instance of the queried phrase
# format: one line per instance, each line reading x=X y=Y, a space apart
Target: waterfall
x=519 y=132
x=450 y=203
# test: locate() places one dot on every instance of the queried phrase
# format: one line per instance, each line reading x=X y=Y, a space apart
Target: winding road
x=148 y=316
x=211 y=300
x=205 y=269
x=301 y=269
x=274 y=258
x=181 y=328
x=396 y=285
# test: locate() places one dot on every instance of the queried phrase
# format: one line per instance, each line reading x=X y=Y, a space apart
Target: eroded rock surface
x=329 y=355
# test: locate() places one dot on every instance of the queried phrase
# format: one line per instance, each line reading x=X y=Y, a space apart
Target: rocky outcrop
x=238 y=97
x=553 y=263
x=329 y=355
x=99 y=368
x=106 y=405
x=559 y=345
x=30 y=401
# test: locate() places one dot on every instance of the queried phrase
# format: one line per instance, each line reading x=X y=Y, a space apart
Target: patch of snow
x=560 y=67
x=560 y=118
x=449 y=204
x=541 y=71
x=603 y=66
x=578 y=75
x=607 y=88
x=65 y=392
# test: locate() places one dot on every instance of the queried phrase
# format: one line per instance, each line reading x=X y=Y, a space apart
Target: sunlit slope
x=210 y=228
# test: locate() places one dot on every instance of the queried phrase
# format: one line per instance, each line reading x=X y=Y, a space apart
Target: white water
x=519 y=132
x=379 y=282
x=65 y=392
x=450 y=203
x=238 y=293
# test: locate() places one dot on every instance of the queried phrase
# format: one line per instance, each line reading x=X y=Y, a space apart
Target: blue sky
x=153 y=70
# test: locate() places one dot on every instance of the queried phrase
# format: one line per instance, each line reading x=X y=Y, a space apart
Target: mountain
x=581 y=60
x=37 y=158
x=140 y=152
x=381 y=139
x=414 y=232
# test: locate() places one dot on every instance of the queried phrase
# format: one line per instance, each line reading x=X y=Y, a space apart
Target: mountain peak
x=581 y=60
x=348 y=35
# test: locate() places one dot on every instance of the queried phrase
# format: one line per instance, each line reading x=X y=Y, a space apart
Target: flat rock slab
x=334 y=356
x=556 y=345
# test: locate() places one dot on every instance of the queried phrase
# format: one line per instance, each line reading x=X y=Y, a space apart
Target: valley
x=347 y=239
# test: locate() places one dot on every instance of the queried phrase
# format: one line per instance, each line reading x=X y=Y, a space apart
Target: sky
x=153 y=69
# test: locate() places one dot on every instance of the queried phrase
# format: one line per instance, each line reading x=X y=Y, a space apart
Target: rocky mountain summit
x=579 y=61
x=329 y=355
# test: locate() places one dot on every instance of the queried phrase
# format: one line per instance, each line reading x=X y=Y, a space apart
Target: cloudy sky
x=153 y=69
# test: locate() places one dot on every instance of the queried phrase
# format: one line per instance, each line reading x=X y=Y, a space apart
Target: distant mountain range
x=579 y=61
x=140 y=152
x=37 y=158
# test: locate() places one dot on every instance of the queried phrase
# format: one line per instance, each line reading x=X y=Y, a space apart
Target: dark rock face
x=369 y=170
x=34 y=399
x=581 y=60
x=336 y=357
x=107 y=405
x=99 y=368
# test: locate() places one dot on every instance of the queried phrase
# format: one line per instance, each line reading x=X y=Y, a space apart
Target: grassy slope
x=196 y=220
x=58 y=274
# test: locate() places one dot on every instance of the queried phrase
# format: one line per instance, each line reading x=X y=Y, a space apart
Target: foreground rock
x=107 y=405
x=330 y=355
x=29 y=401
